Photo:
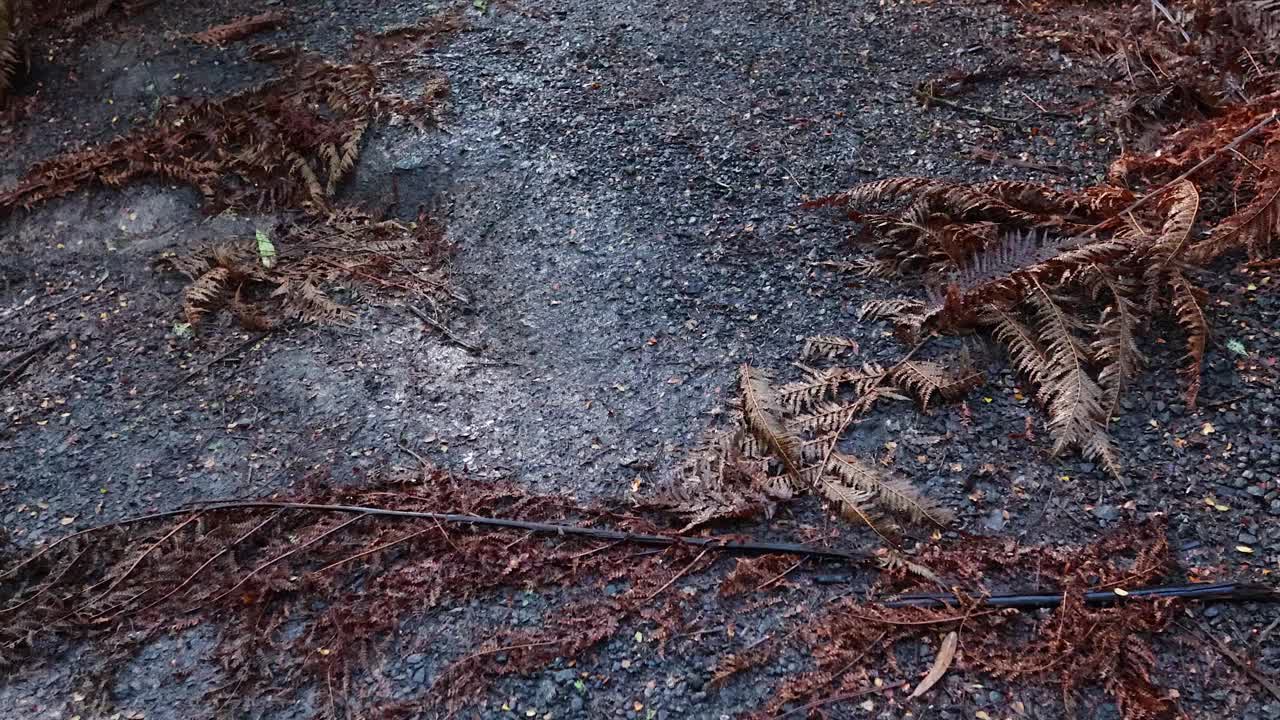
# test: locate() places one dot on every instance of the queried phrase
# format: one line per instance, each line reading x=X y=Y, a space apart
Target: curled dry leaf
x=941 y=663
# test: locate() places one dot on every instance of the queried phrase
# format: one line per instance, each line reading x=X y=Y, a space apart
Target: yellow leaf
x=66 y=521
x=1207 y=429
x=1244 y=549
x=982 y=715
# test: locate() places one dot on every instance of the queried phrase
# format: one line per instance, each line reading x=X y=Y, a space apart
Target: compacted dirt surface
x=622 y=185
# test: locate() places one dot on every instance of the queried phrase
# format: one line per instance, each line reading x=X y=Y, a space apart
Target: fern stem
x=1257 y=128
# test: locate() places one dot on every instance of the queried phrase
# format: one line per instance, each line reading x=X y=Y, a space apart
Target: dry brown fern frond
x=828 y=347
x=787 y=443
x=1028 y=357
x=1188 y=302
x=893 y=494
x=893 y=309
x=285 y=144
x=957 y=200
x=1254 y=227
x=207 y=294
x=717 y=482
x=90 y=11
x=1116 y=346
x=1175 y=237
x=817 y=386
x=348 y=250
x=926 y=380
x=763 y=416
x=1069 y=393
x=240 y=28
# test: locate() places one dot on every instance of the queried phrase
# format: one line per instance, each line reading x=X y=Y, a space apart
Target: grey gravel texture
x=623 y=183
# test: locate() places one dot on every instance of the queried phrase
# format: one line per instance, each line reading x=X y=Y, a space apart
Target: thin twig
x=285 y=555
x=371 y=551
x=210 y=561
x=1266 y=682
x=715 y=543
x=928 y=98
x=23 y=361
x=765 y=585
x=1257 y=128
x=138 y=561
x=89 y=531
x=443 y=330
x=236 y=350
x=678 y=575
x=840 y=698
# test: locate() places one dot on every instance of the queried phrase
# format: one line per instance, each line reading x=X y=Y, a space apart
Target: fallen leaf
x=266 y=250
x=1244 y=549
x=941 y=663
x=67 y=520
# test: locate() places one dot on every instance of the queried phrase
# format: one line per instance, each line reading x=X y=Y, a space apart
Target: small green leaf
x=481 y=5
x=1237 y=347
x=266 y=250
x=182 y=330
x=580 y=686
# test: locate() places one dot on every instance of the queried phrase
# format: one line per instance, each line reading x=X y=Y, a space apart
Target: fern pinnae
x=1254 y=227
x=854 y=504
x=1116 y=345
x=1069 y=393
x=798 y=397
x=828 y=346
x=901 y=497
x=826 y=417
x=1184 y=204
x=889 y=308
x=894 y=494
x=763 y=415
x=205 y=295
x=1188 y=304
x=1024 y=350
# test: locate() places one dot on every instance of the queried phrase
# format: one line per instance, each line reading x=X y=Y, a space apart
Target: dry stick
x=678 y=575
x=138 y=561
x=283 y=556
x=1257 y=127
x=210 y=561
x=1239 y=661
x=88 y=531
x=221 y=356
x=448 y=334
x=23 y=361
x=714 y=543
x=840 y=698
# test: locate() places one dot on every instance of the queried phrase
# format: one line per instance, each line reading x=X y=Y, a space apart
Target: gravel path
x=622 y=181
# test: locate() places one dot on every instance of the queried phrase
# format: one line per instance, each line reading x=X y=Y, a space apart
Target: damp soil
x=622 y=182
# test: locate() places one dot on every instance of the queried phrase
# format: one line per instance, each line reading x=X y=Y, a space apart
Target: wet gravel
x=623 y=183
